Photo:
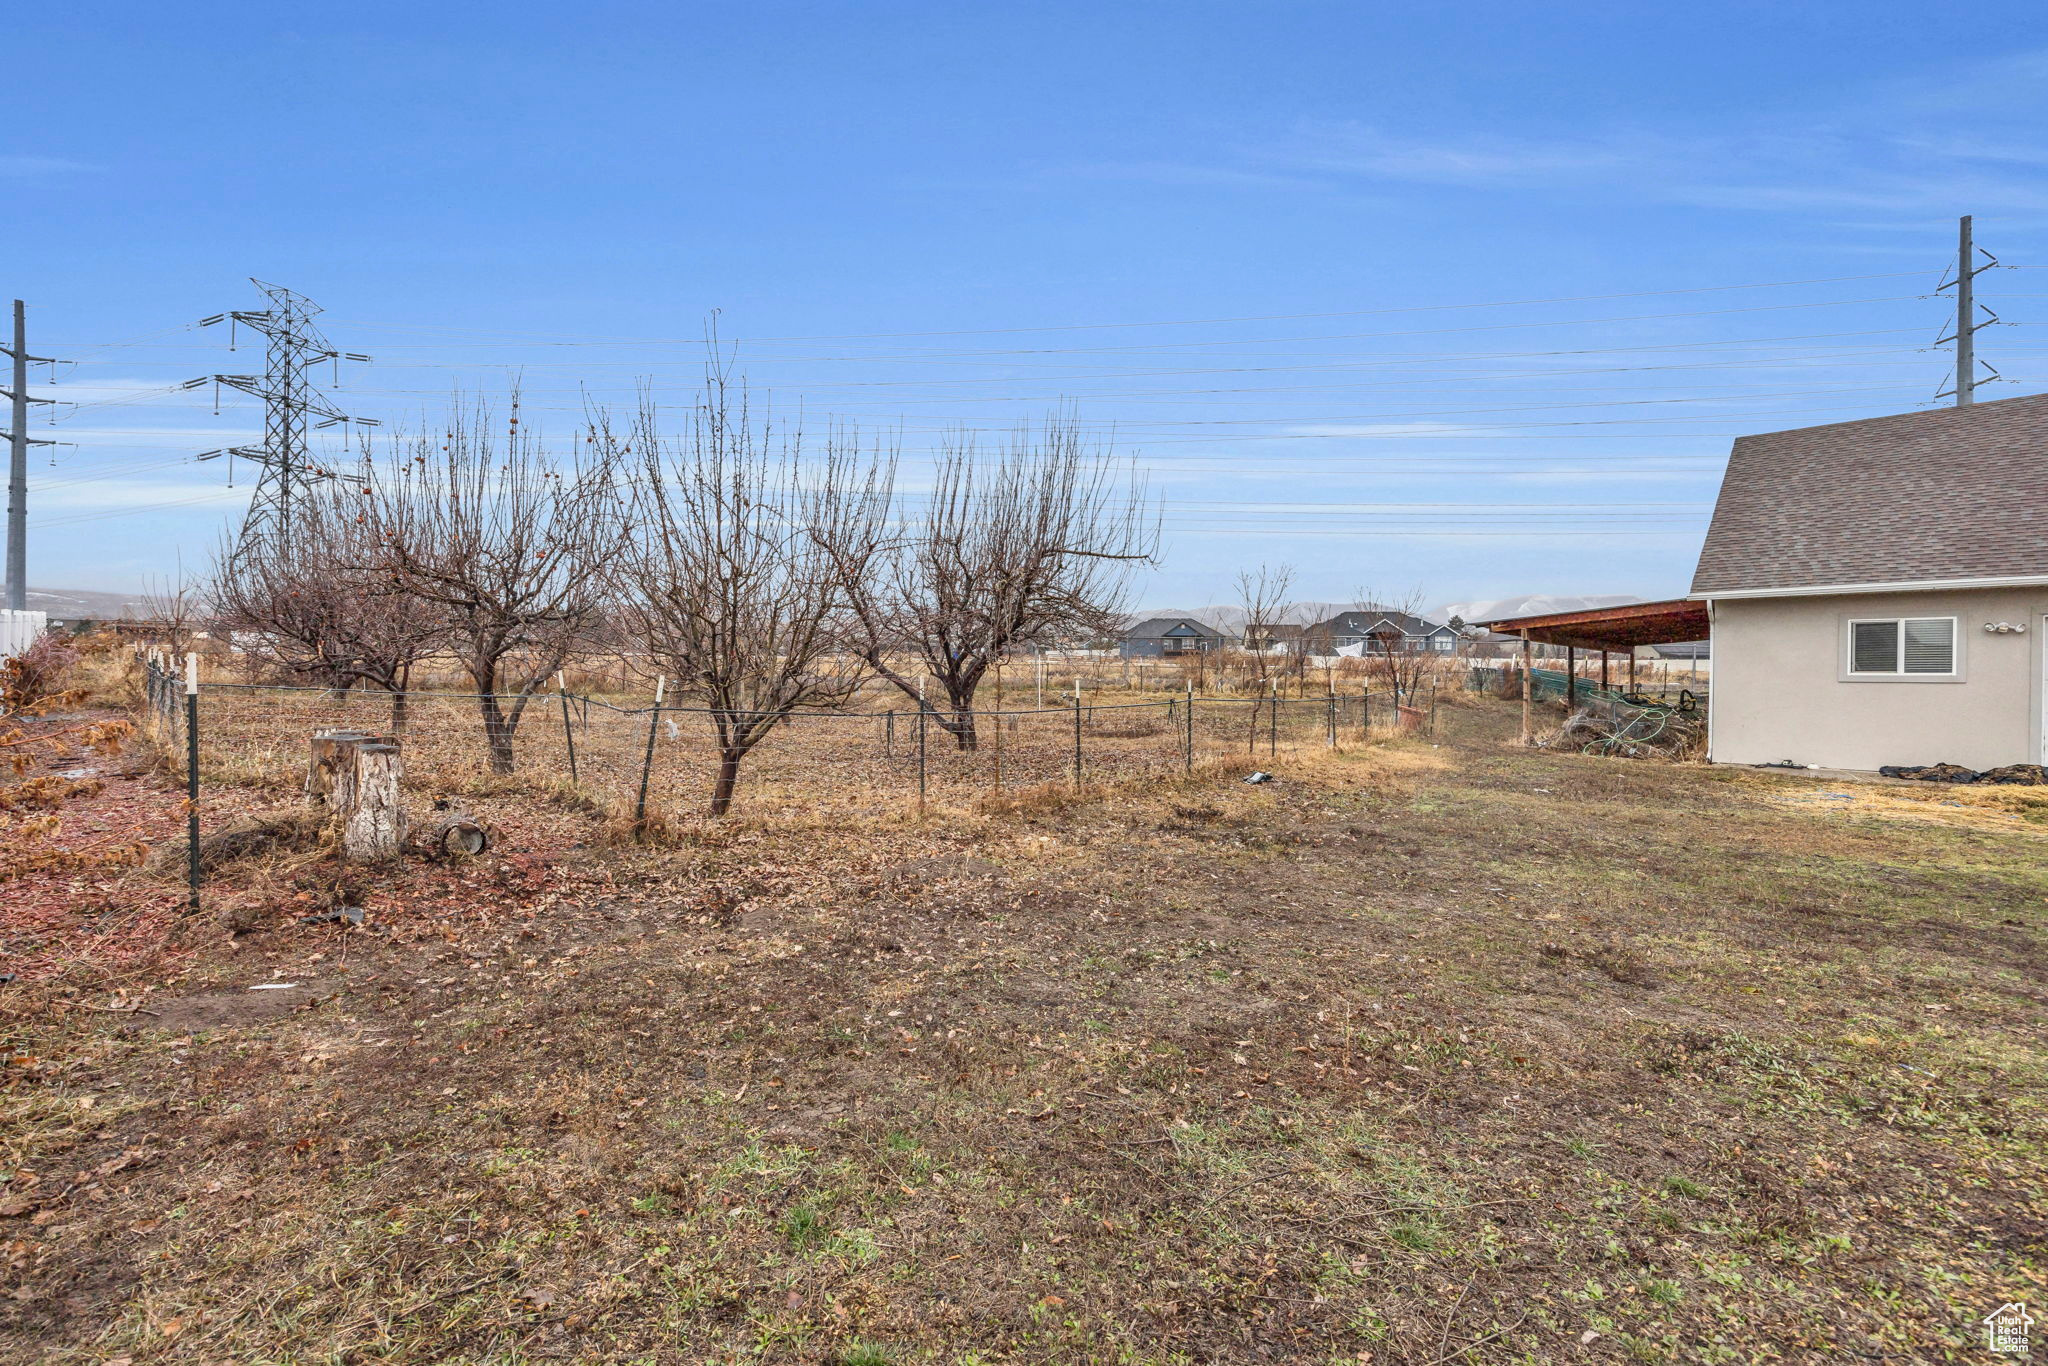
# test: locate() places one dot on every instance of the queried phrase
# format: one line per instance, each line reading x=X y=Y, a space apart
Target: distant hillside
x=1228 y=617
x=1534 y=604
x=1225 y=617
x=85 y=602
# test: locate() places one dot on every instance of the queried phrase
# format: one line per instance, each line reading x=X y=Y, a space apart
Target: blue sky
x=1279 y=254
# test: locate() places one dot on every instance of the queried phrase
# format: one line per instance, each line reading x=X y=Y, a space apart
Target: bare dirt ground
x=1422 y=1054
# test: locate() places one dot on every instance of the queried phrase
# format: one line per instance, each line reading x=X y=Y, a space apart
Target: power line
x=575 y=339
x=1313 y=337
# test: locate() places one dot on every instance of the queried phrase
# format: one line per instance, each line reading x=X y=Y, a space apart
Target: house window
x=1908 y=647
x=1442 y=645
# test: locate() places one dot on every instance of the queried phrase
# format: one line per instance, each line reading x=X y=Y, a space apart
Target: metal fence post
x=1332 y=741
x=568 y=734
x=647 y=763
x=921 y=713
x=1077 y=735
x=1191 y=729
x=1273 y=728
x=889 y=735
x=192 y=775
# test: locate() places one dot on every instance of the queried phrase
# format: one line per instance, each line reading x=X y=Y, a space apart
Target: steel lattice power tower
x=291 y=406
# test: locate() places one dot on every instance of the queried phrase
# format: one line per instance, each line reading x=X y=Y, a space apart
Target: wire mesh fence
x=666 y=759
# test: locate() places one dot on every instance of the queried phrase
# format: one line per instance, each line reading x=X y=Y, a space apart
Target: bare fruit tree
x=1397 y=662
x=1262 y=593
x=175 y=610
x=502 y=538
x=1008 y=549
x=316 y=606
x=731 y=576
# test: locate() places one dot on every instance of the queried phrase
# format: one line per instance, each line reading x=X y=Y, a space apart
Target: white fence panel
x=19 y=630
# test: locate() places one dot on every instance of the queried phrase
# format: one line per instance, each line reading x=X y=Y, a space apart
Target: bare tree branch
x=732 y=575
x=504 y=539
x=317 y=606
x=1005 y=550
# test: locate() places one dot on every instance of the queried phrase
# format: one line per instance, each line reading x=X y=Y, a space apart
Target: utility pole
x=1967 y=323
x=18 y=442
x=293 y=346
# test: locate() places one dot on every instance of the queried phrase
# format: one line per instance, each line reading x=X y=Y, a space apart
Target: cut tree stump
x=333 y=751
x=372 y=814
x=354 y=777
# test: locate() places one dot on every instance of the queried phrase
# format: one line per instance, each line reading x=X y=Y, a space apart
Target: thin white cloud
x=15 y=165
x=1972 y=138
x=1188 y=174
x=207 y=489
x=1484 y=160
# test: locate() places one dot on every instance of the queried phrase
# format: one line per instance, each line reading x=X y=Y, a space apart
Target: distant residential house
x=1171 y=637
x=1376 y=631
x=1879 y=591
x=1273 y=635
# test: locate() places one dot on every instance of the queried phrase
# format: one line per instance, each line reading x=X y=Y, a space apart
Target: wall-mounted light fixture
x=2003 y=628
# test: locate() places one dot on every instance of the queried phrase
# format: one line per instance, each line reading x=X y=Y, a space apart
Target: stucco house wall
x=1782 y=689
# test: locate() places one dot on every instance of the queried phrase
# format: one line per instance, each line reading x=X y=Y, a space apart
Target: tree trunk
x=497 y=733
x=728 y=779
x=372 y=814
x=400 y=711
x=961 y=726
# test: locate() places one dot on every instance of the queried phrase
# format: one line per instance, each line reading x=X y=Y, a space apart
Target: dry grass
x=1417 y=1055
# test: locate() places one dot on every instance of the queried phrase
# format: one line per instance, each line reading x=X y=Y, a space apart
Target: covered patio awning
x=1612 y=628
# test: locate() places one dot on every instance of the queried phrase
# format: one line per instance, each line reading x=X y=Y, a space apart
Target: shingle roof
x=1354 y=622
x=1154 y=628
x=1951 y=493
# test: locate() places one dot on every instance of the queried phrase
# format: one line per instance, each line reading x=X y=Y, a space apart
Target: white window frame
x=1851 y=674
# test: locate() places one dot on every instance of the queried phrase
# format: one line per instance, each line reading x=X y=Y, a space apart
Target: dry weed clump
x=32 y=748
x=286 y=840
x=108 y=671
x=39 y=678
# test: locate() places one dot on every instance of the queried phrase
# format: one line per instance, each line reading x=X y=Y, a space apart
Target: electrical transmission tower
x=1967 y=324
x=291 y=405
x=18 y=442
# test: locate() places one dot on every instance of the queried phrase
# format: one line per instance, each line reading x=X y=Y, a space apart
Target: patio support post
x=1526 y=695
x=1571 y=677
